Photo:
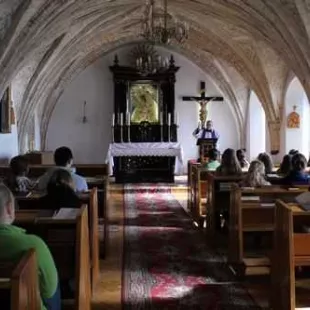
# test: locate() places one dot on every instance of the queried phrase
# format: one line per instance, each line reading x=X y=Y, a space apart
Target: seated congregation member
x=298 y=173
x=60 y=192
x=256 y=175
x=229 y=164
x=265 y=158
x=18 y=181
x=244 y=164
x=63 y=158
x=14 y=242
x=292 y=152
x=213 y=162
x=286 y=165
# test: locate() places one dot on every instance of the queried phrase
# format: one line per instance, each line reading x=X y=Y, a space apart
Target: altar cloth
x=172 y=149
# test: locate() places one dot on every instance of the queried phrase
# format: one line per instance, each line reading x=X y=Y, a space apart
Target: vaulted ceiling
x=243 y=45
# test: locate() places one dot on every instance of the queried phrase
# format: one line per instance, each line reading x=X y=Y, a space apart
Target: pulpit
x=144 y=116
x=205 y=145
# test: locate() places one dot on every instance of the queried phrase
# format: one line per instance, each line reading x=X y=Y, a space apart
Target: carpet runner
x=167 y=264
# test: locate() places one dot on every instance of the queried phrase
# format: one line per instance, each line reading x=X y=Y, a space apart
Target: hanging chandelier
x=146 y=60
x=162 y=28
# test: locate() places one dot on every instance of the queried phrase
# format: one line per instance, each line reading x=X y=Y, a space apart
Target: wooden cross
x=203 y=101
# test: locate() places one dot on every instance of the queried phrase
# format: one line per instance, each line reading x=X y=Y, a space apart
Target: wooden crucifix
x=203 y=101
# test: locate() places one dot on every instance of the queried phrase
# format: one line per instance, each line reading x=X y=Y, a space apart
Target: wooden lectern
x=205 y=145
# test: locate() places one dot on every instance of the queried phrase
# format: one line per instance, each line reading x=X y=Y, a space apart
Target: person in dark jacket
x=286 y=165
x=298 y=173
x=60 y=192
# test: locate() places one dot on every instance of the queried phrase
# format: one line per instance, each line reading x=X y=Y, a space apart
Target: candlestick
x=169 y=119
x=113 y=120
x=127 y=118
x=161 y=118
x=121 y=119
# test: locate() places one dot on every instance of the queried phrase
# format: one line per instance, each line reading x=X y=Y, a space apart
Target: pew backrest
x=253 y=210
x=19 y=288
x=68 y=241
x=218 y=197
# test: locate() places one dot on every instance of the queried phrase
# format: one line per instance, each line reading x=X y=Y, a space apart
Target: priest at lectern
x=206 y=132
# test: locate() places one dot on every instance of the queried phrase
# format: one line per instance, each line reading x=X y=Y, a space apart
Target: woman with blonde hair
x=229 y=164
x=256 y=175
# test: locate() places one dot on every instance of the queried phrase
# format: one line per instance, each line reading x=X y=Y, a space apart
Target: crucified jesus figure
x=203 y=113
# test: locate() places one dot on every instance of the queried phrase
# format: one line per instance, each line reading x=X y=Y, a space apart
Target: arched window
x=256 y=127
x=296 y=136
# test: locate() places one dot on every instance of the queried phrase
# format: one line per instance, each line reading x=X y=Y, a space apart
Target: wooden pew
x=190 y=183
x=291 y=250
x=36 y=171
x=253 y=211
x=218 y=200
x=91 y=199
x=68 y=241
x=19 y=288
x=199 y=194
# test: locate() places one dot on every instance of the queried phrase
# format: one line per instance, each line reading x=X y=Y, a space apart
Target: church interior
x=154 y=154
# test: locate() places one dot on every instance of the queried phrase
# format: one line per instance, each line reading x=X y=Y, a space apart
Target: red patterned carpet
x=167 y=264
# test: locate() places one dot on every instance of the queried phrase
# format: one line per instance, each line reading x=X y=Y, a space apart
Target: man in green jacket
x=14 y=242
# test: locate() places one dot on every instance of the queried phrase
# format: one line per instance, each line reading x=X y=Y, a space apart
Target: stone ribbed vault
x=243 y=45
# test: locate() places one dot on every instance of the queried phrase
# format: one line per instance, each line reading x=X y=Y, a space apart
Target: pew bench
x=252 y=211
x=218 y=202
x=68 y=241
x=190 y=183
x=291 y=250
x=19 y=289
x=32 y=203
x=198 y=194
x=36 y=171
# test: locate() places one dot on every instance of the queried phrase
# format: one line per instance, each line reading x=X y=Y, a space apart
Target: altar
x=145 y=162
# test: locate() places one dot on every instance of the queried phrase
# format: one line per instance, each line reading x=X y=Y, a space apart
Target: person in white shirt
x=63 y=158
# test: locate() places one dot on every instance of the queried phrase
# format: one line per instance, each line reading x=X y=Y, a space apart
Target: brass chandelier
x=162 y=28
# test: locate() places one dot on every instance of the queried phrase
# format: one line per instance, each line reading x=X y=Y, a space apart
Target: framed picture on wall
x=5 y=112
x=144 y=101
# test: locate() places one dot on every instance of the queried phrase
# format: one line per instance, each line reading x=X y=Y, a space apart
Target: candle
x=169 y=119
x=121 y=119
x=128 y=118
x=161 y=118
x=113 y=120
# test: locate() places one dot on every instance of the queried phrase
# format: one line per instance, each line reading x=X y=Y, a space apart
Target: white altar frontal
x=158 y=149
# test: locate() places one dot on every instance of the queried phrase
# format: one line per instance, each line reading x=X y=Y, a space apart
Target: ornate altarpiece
x=144 y=111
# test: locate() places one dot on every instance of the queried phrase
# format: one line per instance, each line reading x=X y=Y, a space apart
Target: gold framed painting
x=144 y=102
x=5 y=112
x=293 y=119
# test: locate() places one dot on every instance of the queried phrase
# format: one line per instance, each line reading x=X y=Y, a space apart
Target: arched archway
x=188 y=77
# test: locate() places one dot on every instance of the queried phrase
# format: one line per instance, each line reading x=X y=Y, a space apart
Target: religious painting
x=293 y=119
x=5 y=112
x=144 y=102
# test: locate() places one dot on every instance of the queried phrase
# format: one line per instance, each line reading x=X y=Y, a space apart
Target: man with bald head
x=15 y=242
